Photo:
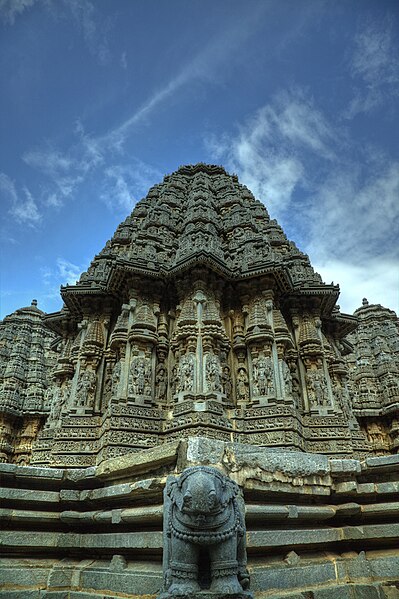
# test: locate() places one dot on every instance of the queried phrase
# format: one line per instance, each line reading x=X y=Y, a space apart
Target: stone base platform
x=207 y=595
x=317 y=528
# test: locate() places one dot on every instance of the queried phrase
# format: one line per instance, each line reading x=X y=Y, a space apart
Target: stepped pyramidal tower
x=200 y=343
x=200 y=318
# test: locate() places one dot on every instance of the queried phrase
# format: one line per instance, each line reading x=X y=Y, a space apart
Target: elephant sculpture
x=204 y=535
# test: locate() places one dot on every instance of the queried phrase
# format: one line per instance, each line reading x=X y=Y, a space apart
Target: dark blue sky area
x=101 y=99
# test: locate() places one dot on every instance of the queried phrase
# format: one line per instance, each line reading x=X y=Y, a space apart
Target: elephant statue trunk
x=203 y=516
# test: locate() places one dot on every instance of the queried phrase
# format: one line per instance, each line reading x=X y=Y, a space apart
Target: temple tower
x=199 y=317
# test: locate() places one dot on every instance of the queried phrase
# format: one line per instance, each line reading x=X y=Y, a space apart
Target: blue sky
x=100 y=99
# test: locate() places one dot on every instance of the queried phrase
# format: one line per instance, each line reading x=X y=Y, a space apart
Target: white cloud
x=374 y=66
x=201 y=67
x=358 y=213
x=377 y=280
x=345 y=212
x=23 y=209
x=123 y=60
x=11 y=9
x=63 y=170
x=83 y=12
x=68 y=272
x=94 y=31
x=125 y=184
x=67 y=170
x=268 y=151
x=62 y=272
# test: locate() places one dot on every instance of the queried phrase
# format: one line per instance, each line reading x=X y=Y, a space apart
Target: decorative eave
x=61 y=322
x=342 y=324
x=325 y=295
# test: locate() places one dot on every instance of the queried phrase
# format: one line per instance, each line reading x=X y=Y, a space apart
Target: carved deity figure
x=377 y=437
x=287 y=378
x=116 y=375
x=263 y=376
x=204 y=514
x=55 y=396
x=317 y=388
x=160 y=382
x=242 y=384
x=184 y=375
x=226 y=381
x=139 y=379
x=212 y=374
x=85 y=389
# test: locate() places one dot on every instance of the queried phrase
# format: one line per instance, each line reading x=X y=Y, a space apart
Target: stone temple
x=199 y=336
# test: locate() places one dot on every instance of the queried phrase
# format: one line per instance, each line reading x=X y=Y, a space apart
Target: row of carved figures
x=135 y=382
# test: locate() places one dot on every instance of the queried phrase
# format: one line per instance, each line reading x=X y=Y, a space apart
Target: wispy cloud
x=62 y=272
x=126 y=184
x=94 y=30
x=10 y=10
x=361 y=209
x=67 y=271
x=374 y=67
x=343 y=211
x=123 y=60
x=203 y=66
x=22 y=207
x=268 y=150
x=67 y=170
x=376 y=279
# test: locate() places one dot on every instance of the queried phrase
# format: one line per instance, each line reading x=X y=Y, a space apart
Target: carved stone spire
x=200 y=317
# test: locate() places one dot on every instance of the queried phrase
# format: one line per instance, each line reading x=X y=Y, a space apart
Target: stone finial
x=365 y=302
x=34 y=302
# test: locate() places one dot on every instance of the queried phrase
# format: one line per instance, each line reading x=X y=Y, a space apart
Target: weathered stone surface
x=199 y=336
x=223 y=330
x=204 y=514
x=134 y=464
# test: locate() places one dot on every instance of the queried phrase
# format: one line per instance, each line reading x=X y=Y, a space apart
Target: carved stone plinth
x=207 y=595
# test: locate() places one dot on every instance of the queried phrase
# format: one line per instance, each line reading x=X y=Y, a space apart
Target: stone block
x=348 y=591
x=292 y=578
x=346 y=510
x=28 y=496
x=35 y=472
x=390 y=487
x=80 y=474
x=24 y=594
x=292 y=537
x=381 y=461
x=134 y=580
x=389 y=592
x=138 y=462
x=145 y=488
x=344 y=467
x=201 y=451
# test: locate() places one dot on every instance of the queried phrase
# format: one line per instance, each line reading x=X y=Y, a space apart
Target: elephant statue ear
x=174 y=492
x=230 y=490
